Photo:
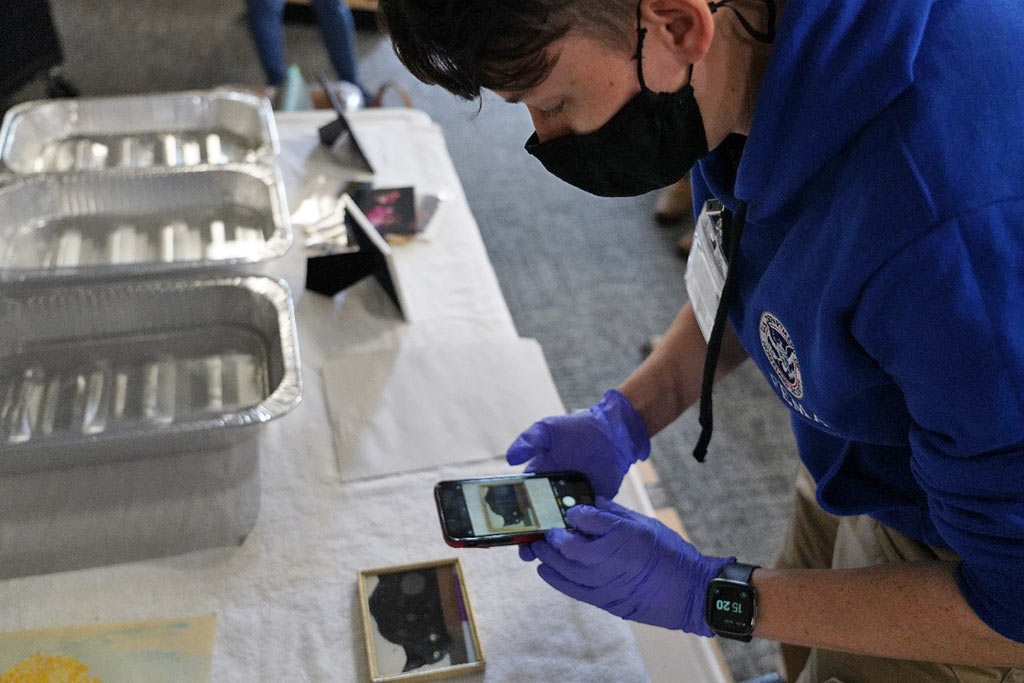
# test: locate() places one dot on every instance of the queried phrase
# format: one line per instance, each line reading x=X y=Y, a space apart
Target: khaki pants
x=818 y=540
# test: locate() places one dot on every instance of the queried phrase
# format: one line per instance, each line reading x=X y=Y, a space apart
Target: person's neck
x=726 y=82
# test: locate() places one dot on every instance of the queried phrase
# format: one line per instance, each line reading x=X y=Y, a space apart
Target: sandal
x=403 y=93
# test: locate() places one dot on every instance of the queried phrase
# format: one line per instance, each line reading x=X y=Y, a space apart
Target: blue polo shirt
x=881 y=271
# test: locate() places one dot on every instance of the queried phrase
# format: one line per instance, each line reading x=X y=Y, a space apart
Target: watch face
x=730 y=607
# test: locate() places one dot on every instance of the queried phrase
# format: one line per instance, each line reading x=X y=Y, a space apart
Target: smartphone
x=508 y=510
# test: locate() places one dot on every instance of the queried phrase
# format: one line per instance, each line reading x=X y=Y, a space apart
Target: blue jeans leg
x=266 y=23
x=338 y=28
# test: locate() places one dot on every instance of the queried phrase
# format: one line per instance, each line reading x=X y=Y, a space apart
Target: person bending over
x=858 y=167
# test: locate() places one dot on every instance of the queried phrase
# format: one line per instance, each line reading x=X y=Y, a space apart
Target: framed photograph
x=338 y=135
x=391 y=210
x=367 y=254
x=418 y=622
x=362 y=232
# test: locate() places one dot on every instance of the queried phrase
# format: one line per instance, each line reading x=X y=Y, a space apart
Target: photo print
x=391 y=210
x=418 y=622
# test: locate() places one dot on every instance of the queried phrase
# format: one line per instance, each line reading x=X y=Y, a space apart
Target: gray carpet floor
x=589 y=278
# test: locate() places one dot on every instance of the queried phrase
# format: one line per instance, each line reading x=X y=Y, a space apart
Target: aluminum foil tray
x=172 y=129
x=116 y=370
x=135 y=222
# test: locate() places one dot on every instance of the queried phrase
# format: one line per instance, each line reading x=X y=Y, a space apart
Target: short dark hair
x=468 y=45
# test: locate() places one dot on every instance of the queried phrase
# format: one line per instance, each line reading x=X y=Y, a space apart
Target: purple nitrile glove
x=601 y=442
x=632 y=566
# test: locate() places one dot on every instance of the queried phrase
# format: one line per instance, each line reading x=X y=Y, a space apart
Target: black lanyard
x=732 y=232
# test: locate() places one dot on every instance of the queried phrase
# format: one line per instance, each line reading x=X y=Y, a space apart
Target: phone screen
x=506 y=509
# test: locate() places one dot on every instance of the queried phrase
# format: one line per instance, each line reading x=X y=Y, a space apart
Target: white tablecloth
x=286 y=597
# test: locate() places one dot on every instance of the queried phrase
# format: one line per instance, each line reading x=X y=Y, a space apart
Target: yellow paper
x=153 y=651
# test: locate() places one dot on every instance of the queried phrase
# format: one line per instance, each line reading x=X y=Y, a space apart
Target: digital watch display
x=732 y=602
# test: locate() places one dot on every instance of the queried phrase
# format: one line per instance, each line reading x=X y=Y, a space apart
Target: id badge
x=706 y=267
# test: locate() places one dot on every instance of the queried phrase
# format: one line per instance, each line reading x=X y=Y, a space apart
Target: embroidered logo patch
x=778 y=347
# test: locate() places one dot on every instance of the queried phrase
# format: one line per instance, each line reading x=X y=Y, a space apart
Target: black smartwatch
x=732 y=602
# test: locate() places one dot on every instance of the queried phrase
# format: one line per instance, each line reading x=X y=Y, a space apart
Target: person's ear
x=684 y=26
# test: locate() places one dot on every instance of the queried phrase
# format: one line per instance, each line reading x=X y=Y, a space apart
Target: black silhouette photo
x=418 y=621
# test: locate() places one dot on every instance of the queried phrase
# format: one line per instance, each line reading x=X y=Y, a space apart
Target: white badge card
x=706 y=267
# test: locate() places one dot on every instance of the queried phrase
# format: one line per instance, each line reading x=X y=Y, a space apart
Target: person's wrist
x=626 y=424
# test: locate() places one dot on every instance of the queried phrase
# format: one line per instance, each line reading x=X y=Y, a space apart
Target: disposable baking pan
x=123 y=369
x=138 y=131
x=141 y=222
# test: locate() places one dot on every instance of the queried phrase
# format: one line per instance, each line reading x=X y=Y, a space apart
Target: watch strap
x=737 y=571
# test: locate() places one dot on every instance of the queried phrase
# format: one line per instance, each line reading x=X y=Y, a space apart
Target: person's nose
x=547 y=127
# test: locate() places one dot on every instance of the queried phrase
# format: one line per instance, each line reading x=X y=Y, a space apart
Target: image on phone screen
x=497 y=510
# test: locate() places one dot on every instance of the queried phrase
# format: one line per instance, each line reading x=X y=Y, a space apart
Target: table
x=286 y=597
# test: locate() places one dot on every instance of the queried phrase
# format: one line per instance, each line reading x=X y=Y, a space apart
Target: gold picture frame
x=418 y=622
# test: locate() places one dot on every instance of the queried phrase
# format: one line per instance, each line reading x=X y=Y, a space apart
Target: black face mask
x=648 y=144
